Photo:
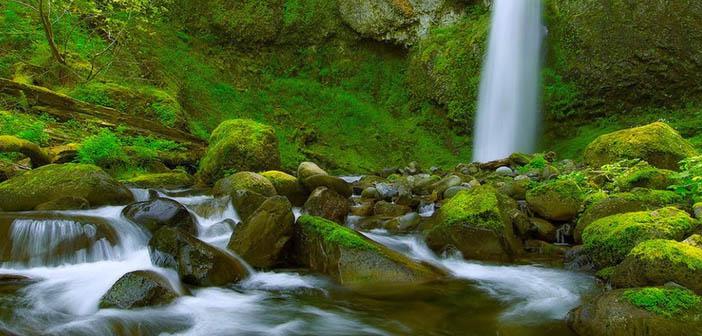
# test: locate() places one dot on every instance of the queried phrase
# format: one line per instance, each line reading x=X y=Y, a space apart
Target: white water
x=508 y=112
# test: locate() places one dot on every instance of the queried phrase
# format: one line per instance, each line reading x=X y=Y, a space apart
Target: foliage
x=538 y=162
x=104 y=149
x=24 y=127
x=689 y=179
x=668 y=302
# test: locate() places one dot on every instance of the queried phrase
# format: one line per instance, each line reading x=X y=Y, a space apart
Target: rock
x=543 y=230
x=337 y=184
x=11 y=144
x=577 y=259
x=694 y=240
x=423 y=184
x=636 y=200
x=64 y=203
x=64 y=153
x=161 y=212
x=352 y=259
x=697 y=210
x=364 y=209
x=261 y=238
x=326 y=203
x=308 y=169
x=643 y=175
x=368 y=181
x=542 y=249
x=452 y=191
x=372 y=193
x=634 y=312
x=386 y=191
x=239 y=145
x=244 y=181
x=476 y=222
x=26 y=191
x=403 y=224
x=139 y=289
x=657 y=262
x=559 y=200
x=507 y=171
x=656 y=143
x=387 y=209
x=246 y=202
x=170 y=180
x=610 y=239
x=196 y=262
x=447 y=182
x=288 y=186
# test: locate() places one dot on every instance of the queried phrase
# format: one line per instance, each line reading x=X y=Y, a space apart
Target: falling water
x=508 y=110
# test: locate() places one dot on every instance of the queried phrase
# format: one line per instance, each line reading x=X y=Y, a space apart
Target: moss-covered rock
x=387 y=209
x=641 y=311
x=610 y=239
x=337 y=184
x=657 y=262
x=161 y=212
x=239 y=145
x=64 y=203
x=559 y=200
x=326 y=203
x=171 y=180
x=309 y=169
x=288 y=186
x=246 y=202
x=139 y=289
x=51 y=182
x=643 y=175
x=478 y=223
x=656 y=143
x=262 y=237
x=197 y=262
x=11 y=144
x=633 y=201
x=352 y=259
x=244 y=181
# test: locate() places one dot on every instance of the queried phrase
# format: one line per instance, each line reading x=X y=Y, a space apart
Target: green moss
x=670 y=250
x=477 y=207
x=335 y=234
x=610 y=239
x=606 y=273
x=668 y=302
x=23 y=126
x=244 y=181
x=645 y=176
x=162 y=180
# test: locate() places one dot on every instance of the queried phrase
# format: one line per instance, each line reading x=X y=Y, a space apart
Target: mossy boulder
x=656 y=143
x=559 y=200
x=309 y=169
x=246 y=202
x=352 y=259
x=387 y=209
x=640 y=311
x=161 y=212
x=610 y=239
x=239 y=145
x=244 y=181
x=139 y=289
x=170 y=180
x=197 y=262
x=337 y=184
x=288 y=186
x=262 y=237
x=11 y=144
x=643 y=175
x=657 y=262
x=32 y=188
x=64 y=203
x=326 y=203
x=478 y=223
x=636 y=200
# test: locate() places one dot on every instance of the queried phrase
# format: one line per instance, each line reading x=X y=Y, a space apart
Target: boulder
x=559 y=200
x=403 y=224
x=643 y=175
x=326 y=203
x=363 y=209
x=246 y=202
x=352 y=259
x=656 y=143
x=337 y=184
x=642 y=311
x=196 y=262
x=445 y=183
x=244 y=181
x=139 y=289
x=170 y=180
x=261 y=238
x=309 y=169
x=11 y=144
x=371 y=193
x=32 y=188
x=288 y=186
x=239 y=145
x=657 y=262
x=610 y=239
x=387 y=209
x=478 y=223
x=64 y=203
x=161 y=212
x=543 y=229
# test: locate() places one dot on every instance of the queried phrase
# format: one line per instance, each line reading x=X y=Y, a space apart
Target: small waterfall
x=562 y=233
x=508 y=111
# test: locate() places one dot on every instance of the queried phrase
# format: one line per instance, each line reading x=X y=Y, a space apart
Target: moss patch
x=668 y=302
x=671 y=251
x=477 y=207
x=335 y=234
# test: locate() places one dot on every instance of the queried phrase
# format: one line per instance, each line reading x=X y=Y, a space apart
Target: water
x=508 y=112
x=477 y=299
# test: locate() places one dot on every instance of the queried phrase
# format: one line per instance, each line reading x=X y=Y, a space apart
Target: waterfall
x=508 y=109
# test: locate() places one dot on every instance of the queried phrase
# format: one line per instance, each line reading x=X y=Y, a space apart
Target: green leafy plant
x=690 y=179
x=537 y=163
x=103 y=149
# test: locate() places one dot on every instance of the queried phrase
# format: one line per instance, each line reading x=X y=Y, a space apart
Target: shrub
x=103 y=149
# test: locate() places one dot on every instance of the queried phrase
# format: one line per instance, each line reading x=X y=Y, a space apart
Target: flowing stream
x=63 y=297
x=508 y=109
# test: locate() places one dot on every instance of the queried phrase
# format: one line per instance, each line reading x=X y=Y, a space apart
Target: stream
x=477 y=299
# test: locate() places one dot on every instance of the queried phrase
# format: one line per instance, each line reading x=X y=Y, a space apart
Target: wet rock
x=262 y=237
x=447 y=182
x=139 y=289
x=239 y=145
x=244 y=181
x=370 y=193
x=387 y=209
x=64 y=203
x=161 y=212
x=32 y=188
x=577 y=259
x=452 y=191
x=246 y=202
x=364 y=209
x=288 y=186
x=386 y=191
x=543 y=230
x=368 y=181
x=326 y=203
x=197 y=262
x=337 y=184
x=403 y=224
x=169 y=180
x=559 y=200
x=352 y=259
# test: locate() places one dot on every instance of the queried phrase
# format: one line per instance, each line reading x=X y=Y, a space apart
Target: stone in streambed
x=64 y=203
x=559 y=200
x=244 y=181
x=246 y=202
x=309 y=169
x=161 y=212
x=169 y=180
x=388 y=209
x=337 y=184
x=139 y=289
x=288 y=186
x=326 y=203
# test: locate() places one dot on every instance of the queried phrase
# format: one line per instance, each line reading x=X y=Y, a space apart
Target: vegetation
x=335 y=234
x=668 y=302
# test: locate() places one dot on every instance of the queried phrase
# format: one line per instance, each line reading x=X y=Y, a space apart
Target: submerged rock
x=239 y=145
x=559 y=200
x=288 y=186
x=139 y=289
x=478 y=223
x=262 y=237
x=197 y=262
x=161 y=212
x=326 y=203
x=352 y=259
x=656 y=143
x=48 y=183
